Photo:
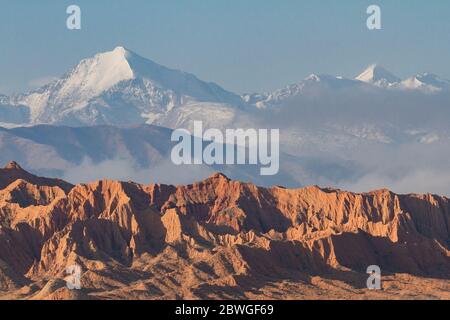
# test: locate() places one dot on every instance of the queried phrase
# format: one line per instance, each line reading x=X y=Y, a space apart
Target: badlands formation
x=217 y=239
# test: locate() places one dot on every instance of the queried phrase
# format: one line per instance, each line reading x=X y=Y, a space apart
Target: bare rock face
x=217 y=238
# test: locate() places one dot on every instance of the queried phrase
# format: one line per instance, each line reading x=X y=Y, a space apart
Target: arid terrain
x=217 y=239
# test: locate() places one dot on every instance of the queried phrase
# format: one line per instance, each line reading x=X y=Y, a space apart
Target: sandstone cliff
x=217 y=238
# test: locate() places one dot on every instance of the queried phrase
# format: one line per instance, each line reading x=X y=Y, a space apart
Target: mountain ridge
x=114 y=85
x=220 y=238
x=378 y=75
x=120 y=87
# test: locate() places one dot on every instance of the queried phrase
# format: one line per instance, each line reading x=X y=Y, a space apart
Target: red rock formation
x=156 y=241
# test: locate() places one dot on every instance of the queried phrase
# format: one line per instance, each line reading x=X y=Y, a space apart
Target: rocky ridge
x=216 y=238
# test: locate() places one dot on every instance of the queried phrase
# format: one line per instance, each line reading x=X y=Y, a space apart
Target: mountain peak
x=13 y=172
x=94 y=75
x=377 y=75
x=13 y=165
x=123 y=53
x=218 y=176
x=313 y=77
x=119 y=87
x=120 y=49
x=426 y=81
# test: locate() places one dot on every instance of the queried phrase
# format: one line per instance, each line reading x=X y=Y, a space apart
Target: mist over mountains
x=116 y=111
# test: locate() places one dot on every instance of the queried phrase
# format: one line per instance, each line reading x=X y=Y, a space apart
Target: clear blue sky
x=243 y=45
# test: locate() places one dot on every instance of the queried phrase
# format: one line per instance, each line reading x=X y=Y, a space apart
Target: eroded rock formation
x=217 y=238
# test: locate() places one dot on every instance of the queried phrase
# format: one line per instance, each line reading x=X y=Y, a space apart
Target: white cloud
x=125 y=169
x=411 y=168
x=420 y=181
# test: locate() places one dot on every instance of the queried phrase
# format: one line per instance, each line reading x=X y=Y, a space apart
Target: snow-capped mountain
x=122 y=88
x=119 y=87
x=373 y=77
x=378 y=76
x=426 y=82
x=311 y=85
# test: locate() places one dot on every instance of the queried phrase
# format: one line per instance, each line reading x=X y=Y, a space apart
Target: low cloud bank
x=410 y=168
x=126 y=170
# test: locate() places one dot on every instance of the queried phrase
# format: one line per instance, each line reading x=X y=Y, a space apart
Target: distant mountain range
x=122 y=88
x=140 y=153
x=117 y=110
x=374 y=76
